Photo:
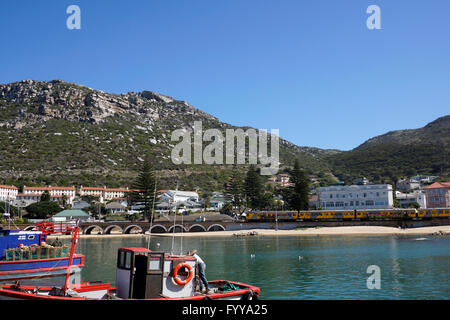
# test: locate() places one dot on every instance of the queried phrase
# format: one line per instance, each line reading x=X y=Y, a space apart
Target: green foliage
x=42 y=210
x=6 y=206
x=45 y=197
x=236 y=190
x=254 y=189
x=227 y=209
x=144 y=188
x=296 y=196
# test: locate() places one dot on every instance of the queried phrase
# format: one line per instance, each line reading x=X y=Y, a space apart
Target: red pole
x=74 y=239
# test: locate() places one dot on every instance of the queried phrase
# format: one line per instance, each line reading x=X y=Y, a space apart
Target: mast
x=151 y=218
x=72 y=249
x=174 y=218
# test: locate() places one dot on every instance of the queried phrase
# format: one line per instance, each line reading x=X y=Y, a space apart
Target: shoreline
x=347 y=230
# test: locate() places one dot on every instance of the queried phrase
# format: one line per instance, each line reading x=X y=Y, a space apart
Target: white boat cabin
x=146 y=274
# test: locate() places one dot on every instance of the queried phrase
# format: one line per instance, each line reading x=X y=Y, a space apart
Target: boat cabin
x=14 y=238
x=146 y=274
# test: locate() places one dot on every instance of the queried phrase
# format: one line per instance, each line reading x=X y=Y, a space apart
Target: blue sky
x=311 y=69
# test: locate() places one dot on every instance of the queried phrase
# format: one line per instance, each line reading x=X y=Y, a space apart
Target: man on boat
x=201 y=271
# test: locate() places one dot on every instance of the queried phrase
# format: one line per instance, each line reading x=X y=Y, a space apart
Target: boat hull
x=39 y=268
x=103 y=291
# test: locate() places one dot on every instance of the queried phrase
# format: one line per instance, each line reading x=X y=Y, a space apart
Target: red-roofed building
x=8 y=192
x=55 y=192
x=438 y=195
x=104 y=193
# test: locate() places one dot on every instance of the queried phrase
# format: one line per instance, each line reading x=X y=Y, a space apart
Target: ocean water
x=304 y=267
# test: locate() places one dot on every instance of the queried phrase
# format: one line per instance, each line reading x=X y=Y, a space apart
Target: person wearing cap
x=201 y=271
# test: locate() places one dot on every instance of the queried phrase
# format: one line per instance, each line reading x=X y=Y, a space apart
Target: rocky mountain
x=396 y=154
x=57 y=132
x=60 y=133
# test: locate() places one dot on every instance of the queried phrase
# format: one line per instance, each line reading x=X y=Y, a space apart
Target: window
x=128 y=260
x=124 y=261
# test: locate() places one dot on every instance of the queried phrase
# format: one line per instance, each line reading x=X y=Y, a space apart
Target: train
x=348 y=215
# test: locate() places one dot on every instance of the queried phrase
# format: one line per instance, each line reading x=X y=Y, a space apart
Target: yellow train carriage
x=304 y=215
x=440 y=213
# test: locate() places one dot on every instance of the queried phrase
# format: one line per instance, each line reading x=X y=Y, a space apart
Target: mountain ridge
x=65 y=133
x=41 y=119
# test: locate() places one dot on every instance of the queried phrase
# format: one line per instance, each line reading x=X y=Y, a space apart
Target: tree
x=227 y=209
x=45 y=197
x=236 y=190
x=144 y=188
x=414 y=205
x=298 y=193
x=254 y=188
x=7 y=207
x=42 y=210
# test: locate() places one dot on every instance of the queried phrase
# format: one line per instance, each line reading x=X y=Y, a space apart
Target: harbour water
x=308 y=267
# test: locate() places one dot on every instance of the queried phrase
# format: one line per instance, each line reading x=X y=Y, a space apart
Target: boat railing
x=36 y=252
x=51 y=227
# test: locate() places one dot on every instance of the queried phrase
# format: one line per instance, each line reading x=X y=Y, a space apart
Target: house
x=8 y=192
x=72 y=214
x=406 y=199
x=361 y=181
x=375 y=196
x=177 y=196
x=438 y=195
x=282 y=179
x=180 y=206
x=115 y=208
x=218 y=200
x=80 y=204
x=424 y=179
x=406 y=185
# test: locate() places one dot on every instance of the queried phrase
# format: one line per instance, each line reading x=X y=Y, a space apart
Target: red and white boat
x=141 y=274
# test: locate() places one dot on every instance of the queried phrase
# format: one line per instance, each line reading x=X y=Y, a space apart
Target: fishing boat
x=26 y=256
x=141 y=274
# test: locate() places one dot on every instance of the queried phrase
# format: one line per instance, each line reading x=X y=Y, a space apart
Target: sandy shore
x=353 y=230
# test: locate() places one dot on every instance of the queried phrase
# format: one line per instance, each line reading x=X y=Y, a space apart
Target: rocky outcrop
x=41 y=100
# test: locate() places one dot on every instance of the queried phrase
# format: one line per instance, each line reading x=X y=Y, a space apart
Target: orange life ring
x=175 y=274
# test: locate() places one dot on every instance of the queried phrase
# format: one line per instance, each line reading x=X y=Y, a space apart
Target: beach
x=350 y=230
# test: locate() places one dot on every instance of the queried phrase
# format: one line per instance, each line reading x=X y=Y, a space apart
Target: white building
x=176 y=196
x=104 y=193
x=8 y=192
x=406 y=185
x=375 y=196
x=56 y=193
x=406 y=199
